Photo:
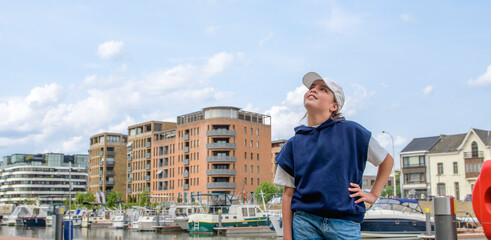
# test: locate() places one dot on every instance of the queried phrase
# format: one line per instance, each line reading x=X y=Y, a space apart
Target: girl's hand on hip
x=364 y=196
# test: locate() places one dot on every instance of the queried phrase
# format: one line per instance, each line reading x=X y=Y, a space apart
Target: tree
x=82 y=197
x=112 y=197
x=143 y=199
x=269 y=190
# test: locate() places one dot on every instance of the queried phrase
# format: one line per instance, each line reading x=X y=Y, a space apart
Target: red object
x=481 y=198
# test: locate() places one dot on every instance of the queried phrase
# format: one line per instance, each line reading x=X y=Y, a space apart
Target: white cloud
x=46 y=120
x=250 y=108
x=340 y=21
x=357 y=101
x=406 y=17
x=211 y=30
x=110 y=50
x=483 y=80
x=265 y=39
x=386 y=142
x=427 y=90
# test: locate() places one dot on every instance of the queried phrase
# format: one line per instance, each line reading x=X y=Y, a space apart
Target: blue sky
x=70 y=70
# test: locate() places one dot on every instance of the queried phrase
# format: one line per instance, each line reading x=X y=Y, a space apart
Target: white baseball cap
x=311 y=77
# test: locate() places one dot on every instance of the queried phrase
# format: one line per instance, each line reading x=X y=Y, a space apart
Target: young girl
x=321 y=168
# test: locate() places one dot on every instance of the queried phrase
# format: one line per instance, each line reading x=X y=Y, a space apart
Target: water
x=48 y=233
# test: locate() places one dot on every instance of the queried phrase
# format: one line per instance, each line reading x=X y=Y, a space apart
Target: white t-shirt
x=376 y=155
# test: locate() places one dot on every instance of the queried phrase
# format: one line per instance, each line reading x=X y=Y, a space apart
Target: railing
x=147 y=167
x=185 y=137
x=148 y=155
x=128 y=190
x=128 y=180
x=128 y=169
x=220 y=145
x=212 y=185
x=221 y=172
x=148 y=144
x=186 y=186
x=163 y=188
x=110 y=182
x=100 y=182
x=112 y=153
x=109 y=172
x=100 y=172
x=479 y=154
x=220 y=132
x=110 y=162
x=129 y=157
x=221 y=159
x=101 y=163
x=186 y=174
x=186 y=161
x=147 y=178
x=186 y=149
x=101 y=153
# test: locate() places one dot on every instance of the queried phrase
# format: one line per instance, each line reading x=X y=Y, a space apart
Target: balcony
x=220 y=146
x=109 y=172
x=148 y=144
x=221 y=159
x=101 y=163
x=147 y=189
x=101 y=153
x=211 y=172
x=111 y=153
x=147 y=178
x=110 y=182
x=148 y=155
x=147 y=167
x=110 y=162
x=100 y=182
x=186 y=161
x=469 y=155
x=128 y=169
x=129 y=158
x=163 y=188
x=185 y=137
x=100 y=173
x=128 y=190
x=220 y=132
x=185 y=174
x=186 y=149
x=186 y=187
x=128 y=180
x=215 y=185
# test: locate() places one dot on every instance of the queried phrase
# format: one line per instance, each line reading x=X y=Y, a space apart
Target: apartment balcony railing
x=221 y=159
x=110 y=162
x=186 y=161
x=110 y=182
x=128 y=169
x=101 y=153
x=100 y=173
x=147 y=189
x=163 y=188
x=220 y=132
x=468 y=155
x=147 y=167
x=101 y=163
x=148 y=155
x=163 y=165
x=186 y=187
x=147 y=178
x=185 y=137
x=185 y=174
x=129 y=158
x=211 y=172
x=215 y=185
x=128 y=180
x=186 y=149
x=220 y=146
x=111 y=153
x=163 y=153
x=100 y=182
x=130 y=148
x=148 y=144
x=128 y=190
x=109 y=172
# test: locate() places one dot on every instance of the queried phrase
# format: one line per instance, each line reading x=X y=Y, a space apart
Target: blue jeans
x=312 y=227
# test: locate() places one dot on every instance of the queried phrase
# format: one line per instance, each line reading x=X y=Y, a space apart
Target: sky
x=72 y=69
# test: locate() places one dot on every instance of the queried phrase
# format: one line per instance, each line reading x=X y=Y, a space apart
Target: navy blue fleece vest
x=323 y=162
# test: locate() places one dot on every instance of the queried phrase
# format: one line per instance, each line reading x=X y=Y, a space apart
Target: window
x=440 y=168
x=364 y=182
x=257 y=131
x=455 y=167
x=245 y=143
x=414 y=161
x=252 y=181
x=252 y=170
x=252 y=131
x=389 y=183
x=245 y=130
x=441 y=189
x=245 y=155
x=475 y=152
x=252 y=143
x=258 y=156
x=457 y=190
x=257 y=169
x=252 y=156
x=257 y=144
x=245 y=181
x=245 y=168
